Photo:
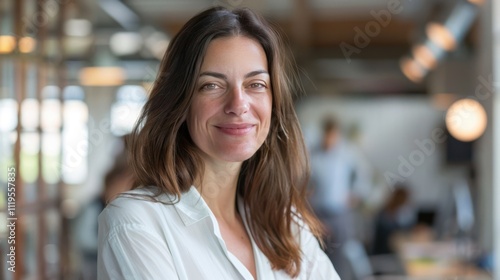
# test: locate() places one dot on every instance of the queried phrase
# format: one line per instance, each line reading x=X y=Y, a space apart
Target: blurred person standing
x=337 y=184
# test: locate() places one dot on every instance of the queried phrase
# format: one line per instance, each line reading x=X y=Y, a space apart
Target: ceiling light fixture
x=78 y=27
x=105 y=70
x=441 y=36
x=466 y=120
x=412 y=70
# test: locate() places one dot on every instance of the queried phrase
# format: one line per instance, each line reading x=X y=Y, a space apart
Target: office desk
x=429 y=259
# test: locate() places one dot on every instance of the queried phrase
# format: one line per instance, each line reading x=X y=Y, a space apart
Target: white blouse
x=141 y=239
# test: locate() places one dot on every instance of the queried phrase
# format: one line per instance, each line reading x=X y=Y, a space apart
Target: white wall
x=488 y=64
x=389 y=127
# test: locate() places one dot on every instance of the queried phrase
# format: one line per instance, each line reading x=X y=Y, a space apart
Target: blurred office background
x=74 y=75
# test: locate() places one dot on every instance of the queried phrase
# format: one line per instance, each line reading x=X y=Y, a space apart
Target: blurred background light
x=7 y=40
x=412 y=69
x=441 y=36
x=102 y=76
x=51 y=109
x=30 y=109
x=75 y=135
x=7 y=43
x=427 y=54
x=124 y=113
x=8 y=114
x=104 y=70
x=424 y=56
x=125 y=43
x=51 y=115
x=466 y=120
x=27 y=44
x=78 y=27
x=476 y=2
x=157 y=43
x=448 y=34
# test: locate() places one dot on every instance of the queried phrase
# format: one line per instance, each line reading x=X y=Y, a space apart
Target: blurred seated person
x=395 y=216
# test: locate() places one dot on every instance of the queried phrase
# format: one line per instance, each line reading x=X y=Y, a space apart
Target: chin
x=237 y=158
x=238 y=155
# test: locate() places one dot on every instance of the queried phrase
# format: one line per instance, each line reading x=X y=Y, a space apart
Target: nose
x=236 y=102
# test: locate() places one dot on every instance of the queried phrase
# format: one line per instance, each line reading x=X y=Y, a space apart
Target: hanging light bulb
x=447 y=35
x=412 y=69
x=428 y=54
x=466 y=120
x=441 y=36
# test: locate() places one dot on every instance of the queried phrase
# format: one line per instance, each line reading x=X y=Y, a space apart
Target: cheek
x=198 y=115
x=266 y=116
x=195 y=111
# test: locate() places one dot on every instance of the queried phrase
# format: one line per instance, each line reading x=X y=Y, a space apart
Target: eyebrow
x=224 y=77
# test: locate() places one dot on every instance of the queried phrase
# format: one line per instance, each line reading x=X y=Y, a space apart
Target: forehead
x=241 y=51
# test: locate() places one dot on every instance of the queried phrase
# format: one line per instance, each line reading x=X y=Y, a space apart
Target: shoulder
x=138 y=207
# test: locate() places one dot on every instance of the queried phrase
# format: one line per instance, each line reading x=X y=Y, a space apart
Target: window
x=126 y=110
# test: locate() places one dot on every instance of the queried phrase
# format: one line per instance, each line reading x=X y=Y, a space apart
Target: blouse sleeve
x=132 y=252
x=316 y=263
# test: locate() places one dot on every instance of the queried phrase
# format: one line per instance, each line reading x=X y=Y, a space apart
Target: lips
x=235 y=128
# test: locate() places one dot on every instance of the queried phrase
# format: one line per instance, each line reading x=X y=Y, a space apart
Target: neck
x=218 y=189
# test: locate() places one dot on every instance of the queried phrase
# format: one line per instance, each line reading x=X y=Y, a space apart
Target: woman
x=220 y=165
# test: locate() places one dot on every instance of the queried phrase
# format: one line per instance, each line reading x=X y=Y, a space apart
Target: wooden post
x=41 y=194
x=20 y=89
x=64 y=249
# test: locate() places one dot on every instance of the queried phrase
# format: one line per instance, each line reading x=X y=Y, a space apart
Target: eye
x=209 y=86
x=257 y=85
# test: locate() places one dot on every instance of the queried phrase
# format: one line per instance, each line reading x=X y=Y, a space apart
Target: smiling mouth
x=235 y=129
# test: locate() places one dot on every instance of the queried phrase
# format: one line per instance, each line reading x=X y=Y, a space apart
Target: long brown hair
x=273 y=181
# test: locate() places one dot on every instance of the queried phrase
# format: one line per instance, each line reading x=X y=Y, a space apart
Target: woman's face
x=230 y=112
